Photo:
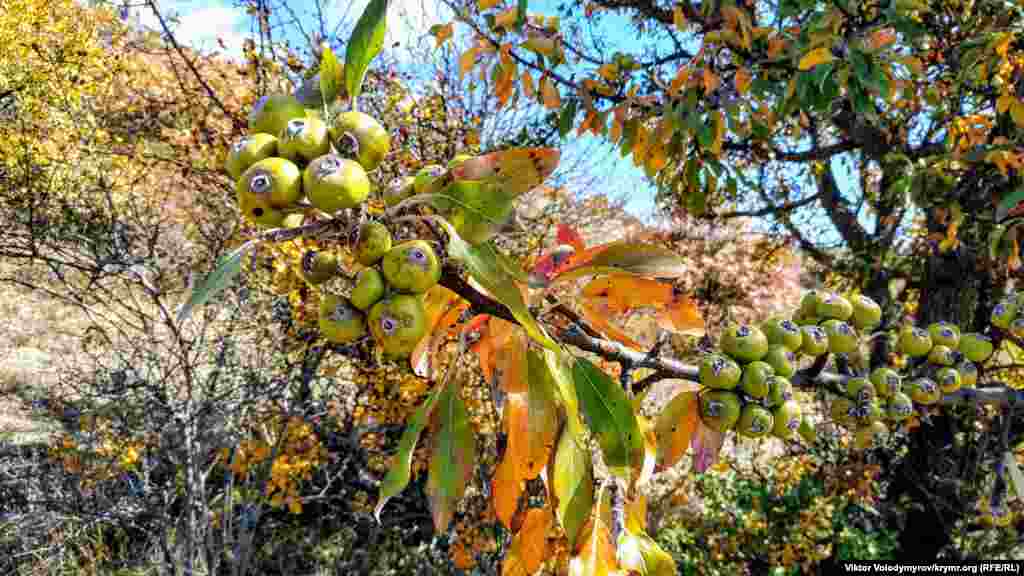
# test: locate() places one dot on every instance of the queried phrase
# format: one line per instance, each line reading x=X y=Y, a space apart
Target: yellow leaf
x=681 y=77
x=742 y=81
x=678 y=17
x=609 y=72
x=1017 y=112
x=711 y=81
x=467 y=61
x=1004 y=102
x=719 y=124
x=552 y=100
x=487 y=4
x=506 y=19
x=815 y=57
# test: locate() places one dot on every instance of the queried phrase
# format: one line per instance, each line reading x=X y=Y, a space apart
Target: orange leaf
x=467 y=61
x=443 y=308
x=567 y=235
x=549 y=92
x=505 y=489
x=487 y=4
x=511 y=362
x=527 y=82
x=881 y=38
x=775 y=46
x=742 y=80
x=529 y=547
x=596 y=312
x=675 y=427
x=815 y=57
x=711 y=81
x=596 y=555
x=682 y=76
x=682 y=316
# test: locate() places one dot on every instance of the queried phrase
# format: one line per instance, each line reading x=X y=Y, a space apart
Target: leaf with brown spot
x=444 y=308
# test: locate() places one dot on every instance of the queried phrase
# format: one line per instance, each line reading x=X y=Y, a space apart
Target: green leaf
x=398 y=476
x=477 y=209
x=521 y=13
x=1016 y=478
x=609 y=415
x=558 y=366
x=452 y=458
x=224 y=271
x=1009 y=202
x=363 y=46
x=572 y=482
x=330 y=72
x=631 y=258
x=565 y=121
x=542 y=414
x=639 y=553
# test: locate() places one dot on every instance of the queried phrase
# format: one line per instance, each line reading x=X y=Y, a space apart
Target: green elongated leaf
x=452 y=458
x=483 y=263
x=365 y=43
x=330 y=73
x=521 y=12
x=631 y=258
x=995 y=241
x=543 y=419
x=572 y=483
x=1016 y=478
x=609 y=415
x=1008 y=203
x=398 y=476
x=224 y=271
x=561 y=374
x=565 y=121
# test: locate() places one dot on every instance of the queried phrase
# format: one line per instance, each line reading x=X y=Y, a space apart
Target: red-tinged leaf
x=634 y=258
x=550 y=265
x=400 y=472
x=675 y=428
x=682 y=315
x=572 y=482
x=706 y=445
x=453 y=455
x=506 y=486
x=529 y=547
x=597 y=313
x=514 y=171
x=567 y=235
x=444 y=308
x=636 y=514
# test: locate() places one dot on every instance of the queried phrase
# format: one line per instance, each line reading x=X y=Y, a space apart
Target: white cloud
x=198 y=25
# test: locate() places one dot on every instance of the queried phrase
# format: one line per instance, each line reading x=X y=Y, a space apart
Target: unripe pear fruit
x=339 y=321
x=334 y=183
x=886 y=381
x=948 y=379
x=782 y=332
x=319 y=266
x=942 y=356
x=786 y=417
x=870 y=436
x=780 y=390
x=975 y=347
x=399 y=190
x=719 y=409
x=1003 y=314
x=815 y=341
x=374 y=243
x=274 y=181
x=303 y=139
x=841 y=337
x=260 y=212
x=368 y=290
x=248 y=151
x=755 y=379
x=866 y=312
x=809 y=303
x=801 y=320
x=968 y=374
x=782 y=360
x=1017 y=327
x=861 y=390
x=411 y=267
x=899 y=408
x=719 y=371
x=843 y=411
x=745 y=343
x=915 y=341
x=426 y=176
x=398 y=323
x=944 y=334
x=755 y=421
x=372 y=141
x=835 y=307
x=925 y=391
x=272 y=112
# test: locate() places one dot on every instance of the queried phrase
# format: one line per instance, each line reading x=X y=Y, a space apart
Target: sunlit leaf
x=609 y=415
x=487 y=4
x=452 y=457
x=815 y=57
x=400 y=472
x=330 y=74
x=549 y=92
x=544 y=421
x=1016 y=478
x=682 y=315
x=627 y=257
x=596 y=555
x=638 y=552
x=643 y=468
x=529 y=547
x=364 y=44
x=598 y=314
x=572 y=481
x=506 y=486
x=444 y=308
x=224 y=271
x=706 y=443
x=675 y=428
x=467 y=60
x=442 y=32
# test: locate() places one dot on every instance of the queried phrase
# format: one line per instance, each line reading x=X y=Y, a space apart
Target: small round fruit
x=915 y=341
x=755 y=379
x=899 y=408
x=261 y=213
x=834 y=306
x=886 y=381
x=809 y=303
x=248 y=151
x=272 y=112
x=339 y=321
x=319 y=266
x=948 y=379
x=745 y=343
x=869 y=412
x=861 y=390
x=719 y=371
x=925 y=391
x=399 y=189
x=843 y=411
x=398 y=323
x=371 y=140
x=975 y=347
x=942 y=356
x=755 y=421
x=1017 y=327
x=782 y=332
x=871 y=435
x=945 y=334
x=786 y=417
x=411 y=267
x=334 y=183
x=457 y=160
x=426 y=176
x=303 y=139
x=842 y=339
x=1003 y=314
x=802 y=320
x=374 y=243
x=780 y=390
x=369 y=289
x=815 y=341
x=719 y=409
x=274 y=181
x=782 y=360
x=866 y=312
x=968 y=374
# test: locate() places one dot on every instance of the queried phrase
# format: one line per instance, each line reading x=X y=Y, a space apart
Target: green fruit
x=1003 y=314
x=260 y=212
x=755 y=421
x=975 y=347
x=368 y=140
x=834 y=306
x=945 y=334
x=806 y=320
x=1017 y=327
x=841 y=337
x=368 y=290
x=272 y=112
x=398 y=323
x=399 y=190
x=457 y=160
x=861 y=390
x=334 y=183
x=815 y=341
x=780 y=390
x=873 y=434
x=339 y=321
x=426 y=176
x=412 y=267
x=948 y=379
x=719 y=409
x=248 y=151
x=745 y=343
x=925 y=391
x=843 y=411
x=782 y=332
x=273 y=181
x=886 y=381
x=809 y=303
x=869 y=412
x=915 y=341
x=755 y=379
x=866 y=312
x=318 y=266
x=782 y=360
x=899 y=408
x=374 y=243
x=719 y=371
x=968 y=374
x=303 y=139
x=786 y=417
x=942 y=356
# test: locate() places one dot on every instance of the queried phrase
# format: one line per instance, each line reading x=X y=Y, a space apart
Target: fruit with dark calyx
x=915 y=341
x=368 y=290
x=899 y=407
x=866 y=312
x=319 y=266
x=272 y=181
x=362 y=137
x=782 y=360
x=1003 y=314
x=755 y=421
x=843 y=411
x=968 y=374
x=809 y=303
x=924 y=391
x=411 y=267
x=870 y=436
x=398 y=190
x=842 y=339
x=942 y=356
x=719 y=371
x=374 y=243
x=786 y=419
x=333 y=183
x=780 y=390
x=860 y=389
x=886 y=381
x=272 y=112
x=248 y=151
x=1017 y=327
x=975 y=347
x=755 y=379
x=869 y=412
x=719 y=409
x=944 y=334
x=397 y=324
x=948 y=379
x=782 y=332
x=744 y=343
x=835 y=307
x=303 y=139
x=339 y=321
x=260 y=212
x=815 y=341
